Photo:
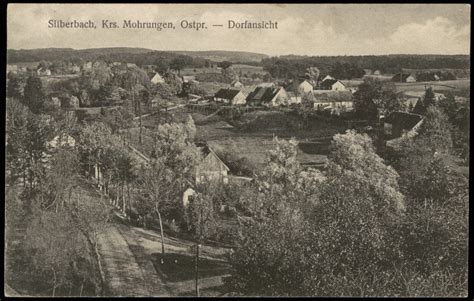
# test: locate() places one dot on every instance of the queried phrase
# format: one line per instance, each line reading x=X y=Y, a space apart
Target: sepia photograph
x=237 y=150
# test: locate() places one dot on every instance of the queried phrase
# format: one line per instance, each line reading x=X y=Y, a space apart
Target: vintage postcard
x=237 y=150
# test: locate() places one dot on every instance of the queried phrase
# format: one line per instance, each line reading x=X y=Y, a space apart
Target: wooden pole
x=197 y=269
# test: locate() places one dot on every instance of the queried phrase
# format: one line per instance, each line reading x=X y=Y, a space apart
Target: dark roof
x=227 y=93
x=206 y=150
x=263 y=94
x=404 y=76
x=404 y=120
x=327 y=84
x=333 y=96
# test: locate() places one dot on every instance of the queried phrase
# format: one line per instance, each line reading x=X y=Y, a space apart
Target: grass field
x=250 y=145
x=459 y=84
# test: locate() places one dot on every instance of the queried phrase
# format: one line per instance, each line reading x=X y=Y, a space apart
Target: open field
x=459 y=84
x=248 y=69
x=251 y=144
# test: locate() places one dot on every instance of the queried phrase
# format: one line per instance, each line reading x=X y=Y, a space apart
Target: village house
x=404 y=78
x=87 y=66
x=12 y=68
x=189 y=79
x=421 y=94
x=157 y=79
x=43 y=72
x=397 y=123
x=269 y=97
x=230 y=96
x=327 y=77
x=211 y=168
x=62 y=140
x=400 y=126
x=267 y=85
x=334 y=101
x=236 y=84
x=368 y=71
x=300 y=87
x=332 y=84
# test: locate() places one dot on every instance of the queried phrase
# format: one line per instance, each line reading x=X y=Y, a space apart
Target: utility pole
x=197 y=269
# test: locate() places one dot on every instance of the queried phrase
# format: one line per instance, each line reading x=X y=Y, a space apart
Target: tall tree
x=33 y=94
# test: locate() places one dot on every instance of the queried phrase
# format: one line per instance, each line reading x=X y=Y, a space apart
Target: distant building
x=398 y=123
x=327 y=77
x=230 y=96
x=236 y=84
x=404 y=78
x=189 y=78
x=401 y=126
x=368 y=71
x=87 y=66
x=75 y=69
x=334 y=101
x=211 y=168
x=377 y=72
x=270 y=97
x=43 y=72
x=157 y=79
x=130 y=65
x=332 y=84
x=300 y=87
x=12 y=68
x=266 y=85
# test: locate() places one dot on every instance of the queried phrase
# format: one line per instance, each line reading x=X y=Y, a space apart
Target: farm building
x=157 y=79
x=87 y=66
x=332 y=84
x=43 y=72
x=404 y=78
x=397 y=124
x=327 y=77
x=211 y=167
x=266 y=85
x=300 y=87
x=269 y=97
x=421 y=94
x=189 y=78
x=236 y=84
x=335 y=101
x=294 y=98
x=230 y=96
x=12 y=68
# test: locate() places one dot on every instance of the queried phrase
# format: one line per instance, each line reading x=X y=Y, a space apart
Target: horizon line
x=242 y=51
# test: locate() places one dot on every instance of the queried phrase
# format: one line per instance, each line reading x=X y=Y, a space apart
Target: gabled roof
x=206 y=150
x=405 y=120
x=227 y=93
x=157 y=78
x=331 y=96
x=328 y=83
x=263 y=94
x=234 y=82
x=403 y=76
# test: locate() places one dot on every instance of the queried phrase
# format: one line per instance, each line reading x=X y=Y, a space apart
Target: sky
x=303 y=29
